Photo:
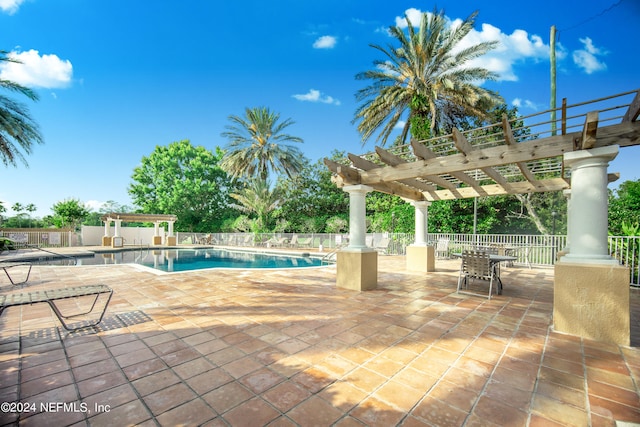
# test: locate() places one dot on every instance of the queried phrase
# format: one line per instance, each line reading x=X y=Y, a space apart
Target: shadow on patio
x=288 y=348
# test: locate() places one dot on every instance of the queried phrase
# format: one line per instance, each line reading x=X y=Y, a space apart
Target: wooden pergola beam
x=634 y=109
x=589 y=131
x=510 y=140
x=466 y=148
x=393 y=160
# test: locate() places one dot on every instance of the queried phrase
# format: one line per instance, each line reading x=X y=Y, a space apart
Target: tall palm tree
x=428 y=73
x=17 y=129
x=258 y=198
x=256 y=145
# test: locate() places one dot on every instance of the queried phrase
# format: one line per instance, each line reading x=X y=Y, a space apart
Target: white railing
x=531 y=250
x=41 y=238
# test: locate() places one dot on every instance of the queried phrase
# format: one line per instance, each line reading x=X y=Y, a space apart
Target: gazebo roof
x=496 y=159
x=131 y=217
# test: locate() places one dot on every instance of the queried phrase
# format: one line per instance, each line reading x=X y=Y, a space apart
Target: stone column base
x=592 y=301
x=157 y=240
x=357 y=271
x=106 y=240
x=171 y=240
x=421 y=258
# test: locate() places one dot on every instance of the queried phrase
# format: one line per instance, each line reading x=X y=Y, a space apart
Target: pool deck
x=287 y=348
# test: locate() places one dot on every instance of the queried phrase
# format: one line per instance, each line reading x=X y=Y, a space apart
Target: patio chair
x=53 y=296
x=476 y=265
x=442 y=248
x=7 y=265
x=382 y=245
x=206 y=240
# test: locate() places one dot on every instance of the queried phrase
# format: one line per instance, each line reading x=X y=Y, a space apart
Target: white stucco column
x=170 y=228
x=588 y=216
x=421 y=220
x=567 y=195
x=357 y=218
x=107 y=228
x=156 y=228
x=116 y=232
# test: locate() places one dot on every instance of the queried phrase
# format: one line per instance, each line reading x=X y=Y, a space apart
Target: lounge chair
x=53 y=296
x=7 y=265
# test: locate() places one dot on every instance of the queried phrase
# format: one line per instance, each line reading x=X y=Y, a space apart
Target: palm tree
x=429 y=74
x=31 y=208
x=258 y=198
x=255 y=145
x=17 y=129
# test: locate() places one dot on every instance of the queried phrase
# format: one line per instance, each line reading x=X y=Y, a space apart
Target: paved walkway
x=287 y=348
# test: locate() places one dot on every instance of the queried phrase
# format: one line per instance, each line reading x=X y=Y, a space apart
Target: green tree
x=428 y=74
x=186 y=181
x=31 y=208
x=69 y=213
x=260 y=199
x=624 y=207
x=257 y=145
x=18 y=131
x=311 y=198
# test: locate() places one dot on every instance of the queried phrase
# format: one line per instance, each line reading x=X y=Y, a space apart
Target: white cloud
x=528 y=104
x=400 y=124
x=315 y=96
x=325 y=42
x=519 y=46
x=33 y=70
x=10 y=6
x=587 y=58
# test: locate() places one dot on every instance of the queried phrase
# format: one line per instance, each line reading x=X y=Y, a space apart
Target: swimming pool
x=173 y=260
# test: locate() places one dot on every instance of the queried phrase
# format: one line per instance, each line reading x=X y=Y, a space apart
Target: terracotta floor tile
x=286 y=395
x=132 y=413
x=100 y=383
x=144 y=368
x=193 y=367
x=193 y=413
x=397 y=395
x=313 y=379
x=558 y=411
x=618 y=411
x=342 y=395
x=439 y=413
x=254 y=412
x=365 y=379
x=316 y=409
x=241 y=367
x=168 y=398
x=155 y=382
x=43 y=384
x=499 y=412
x=454 y=395
x=410 y=353
x=373 y=412
x=227 y=396
x=261 y=380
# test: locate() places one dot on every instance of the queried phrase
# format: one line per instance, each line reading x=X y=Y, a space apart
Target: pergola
x=502 y=158
x=117 y=218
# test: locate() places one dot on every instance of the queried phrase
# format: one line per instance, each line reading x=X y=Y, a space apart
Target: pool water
x=172 y=260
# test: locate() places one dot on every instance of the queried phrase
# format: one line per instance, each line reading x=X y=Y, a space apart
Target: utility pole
x=552 y=57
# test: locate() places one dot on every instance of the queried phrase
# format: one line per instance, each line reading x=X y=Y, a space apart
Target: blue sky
x=116 y=78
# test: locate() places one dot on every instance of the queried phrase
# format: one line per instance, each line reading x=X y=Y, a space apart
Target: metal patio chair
x=476 y=265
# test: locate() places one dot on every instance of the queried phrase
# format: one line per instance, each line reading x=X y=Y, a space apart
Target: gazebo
x=117 y=241
x=591 y=291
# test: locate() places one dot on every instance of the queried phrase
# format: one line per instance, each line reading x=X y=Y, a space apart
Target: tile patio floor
x=288 y=348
